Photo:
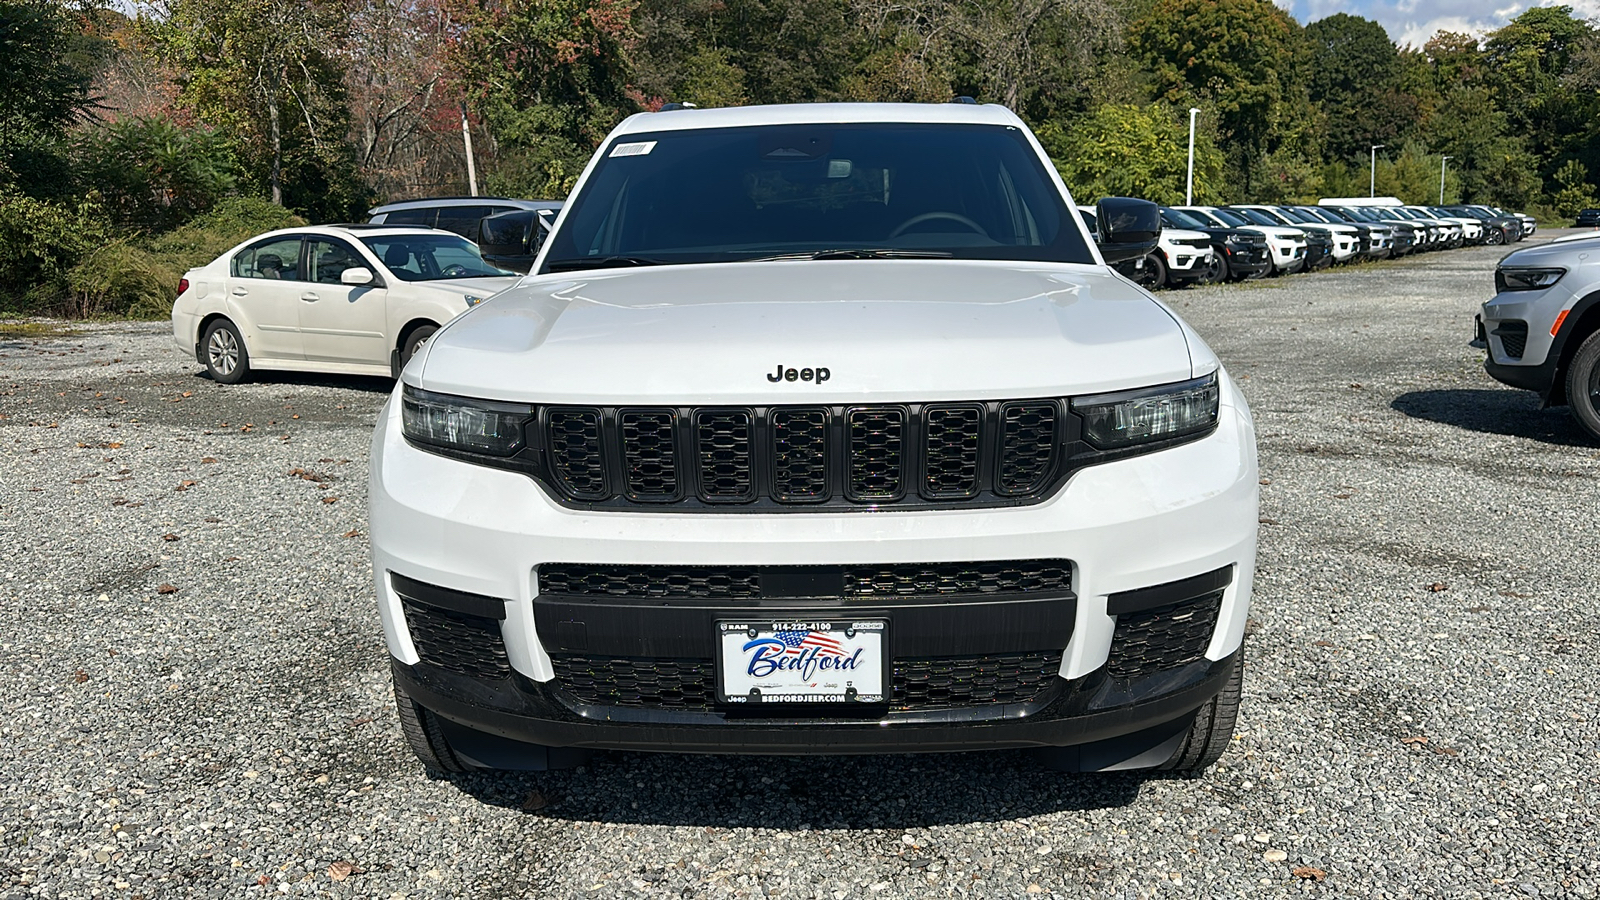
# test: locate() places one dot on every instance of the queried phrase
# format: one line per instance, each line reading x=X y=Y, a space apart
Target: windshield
x=731 y=194
x=1231 y=217
x=1297 y=215
x=1177 y=218
x=1256 y=216
x=425 y=256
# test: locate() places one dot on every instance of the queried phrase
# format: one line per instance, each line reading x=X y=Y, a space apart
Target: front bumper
x=1126 y=525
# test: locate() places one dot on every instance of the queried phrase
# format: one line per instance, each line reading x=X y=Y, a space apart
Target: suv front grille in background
x=1025 y=576
x=1165 y=637
x=1513 y=335
x=918 y=684
x=920 y=455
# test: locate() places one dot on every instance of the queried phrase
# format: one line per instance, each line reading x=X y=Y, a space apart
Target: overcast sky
x=1414 y=21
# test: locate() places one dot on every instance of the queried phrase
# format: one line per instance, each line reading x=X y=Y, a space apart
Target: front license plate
x=801 y=661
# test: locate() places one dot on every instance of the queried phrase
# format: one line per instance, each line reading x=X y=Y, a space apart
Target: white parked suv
x=1288 y=245
x=818 y=429
x=356 y=299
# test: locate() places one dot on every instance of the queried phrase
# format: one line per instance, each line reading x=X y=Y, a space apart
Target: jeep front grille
x=924 y=455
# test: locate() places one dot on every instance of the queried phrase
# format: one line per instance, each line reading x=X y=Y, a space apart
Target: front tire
x=414 y=339
x=1583 y=385
x=1219 y=273
x=227 y=360
x=1155 y=272
x=423 y=734
x=1213 y=725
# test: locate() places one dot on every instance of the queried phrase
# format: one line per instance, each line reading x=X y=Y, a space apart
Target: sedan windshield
x=430 y=256
x=858 y=191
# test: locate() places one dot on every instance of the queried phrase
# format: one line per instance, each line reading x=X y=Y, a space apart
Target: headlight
x=1526 y=278
x=463 y=424
x=1146 y=415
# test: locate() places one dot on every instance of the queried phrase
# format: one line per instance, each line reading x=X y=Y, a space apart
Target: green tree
x=153 y=174
x=1354 y=74
x=1246 y=60
x=1575 y=191
x=1529 y=60
x=1133 y=151
x=47 y=64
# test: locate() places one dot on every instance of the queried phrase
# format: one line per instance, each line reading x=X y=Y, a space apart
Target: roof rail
x=675 y=106
x=370 y=226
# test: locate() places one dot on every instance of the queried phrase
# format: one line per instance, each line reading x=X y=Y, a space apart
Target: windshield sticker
x=639 y=148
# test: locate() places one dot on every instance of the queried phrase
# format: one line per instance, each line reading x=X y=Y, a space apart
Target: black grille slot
x=918 y=684
x=722 y=440
x=688 y=684
x=649 y=453
x=950 y=451
x=1024 y=576
x=877 y=456
x=800 y=455
x=575 y=452
x=934 y=579
x=1027 y=446
x=1165 y=637
x=961 y=681
x=709 y=582
x=1513 y=338
x=466 y=645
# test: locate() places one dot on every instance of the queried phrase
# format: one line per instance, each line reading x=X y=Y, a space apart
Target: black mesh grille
x=690 y=684
x=466 y=645
x=1026 y=576
x=800 y=441
x=575 y=452
x=1027 y=446
x=877 y=460
x=973 y=680
x=649 y=456
x=722 y=439
x=1513 y=338
x=1165 y=637
x=712 y=582
x=1019 y=577
x=950 y=452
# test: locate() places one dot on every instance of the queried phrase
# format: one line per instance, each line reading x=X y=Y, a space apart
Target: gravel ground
x=194 y=694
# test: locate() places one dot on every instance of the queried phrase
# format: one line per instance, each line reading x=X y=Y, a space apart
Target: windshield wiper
x=855 y=253
x=599 y=262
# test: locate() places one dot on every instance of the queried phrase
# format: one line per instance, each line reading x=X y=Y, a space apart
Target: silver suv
x=1542 y=329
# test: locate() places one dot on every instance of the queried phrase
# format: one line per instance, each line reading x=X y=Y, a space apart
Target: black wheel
x=1583 y=385
x=1154 y=275
x=1497 y=236
x=227 y=361
x=1208 y=737
x=414 y=339
x=1219 y=272
x=423 y=733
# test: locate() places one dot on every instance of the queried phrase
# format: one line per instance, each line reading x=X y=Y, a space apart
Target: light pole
x=1188 y=190
x=1441 y=178
x=1372 y=181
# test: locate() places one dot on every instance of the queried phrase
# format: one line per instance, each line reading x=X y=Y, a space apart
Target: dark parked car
x=1497 y=229
x=1588 y=218
x=1237 y=254
x=458 y=214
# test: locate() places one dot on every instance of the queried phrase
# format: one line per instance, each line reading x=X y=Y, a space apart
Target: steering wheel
x=930 y=216
x=455 y=270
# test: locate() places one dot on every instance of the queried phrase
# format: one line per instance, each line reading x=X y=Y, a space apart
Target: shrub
x=40 y=242
x=152 y=173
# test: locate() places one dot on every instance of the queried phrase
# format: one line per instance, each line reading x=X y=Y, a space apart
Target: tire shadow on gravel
x=1511 y=413
x=852 y=792
x=370 y=384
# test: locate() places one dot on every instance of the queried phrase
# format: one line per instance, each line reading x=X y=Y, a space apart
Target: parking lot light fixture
x=1372 y=180
x=1441 y=177
x=1188 y=190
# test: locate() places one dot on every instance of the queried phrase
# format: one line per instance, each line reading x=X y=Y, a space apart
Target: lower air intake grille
x=936 y=579
x=1019 y=576
x=697 y=582
x=919 y=684
x=1165 y=637
x=1513 y=338
x=466 y=645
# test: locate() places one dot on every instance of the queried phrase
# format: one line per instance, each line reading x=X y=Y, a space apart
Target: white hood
x=891 y=330
x=482 y=288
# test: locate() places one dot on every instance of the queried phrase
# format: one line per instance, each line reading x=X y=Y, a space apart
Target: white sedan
x=330 y=298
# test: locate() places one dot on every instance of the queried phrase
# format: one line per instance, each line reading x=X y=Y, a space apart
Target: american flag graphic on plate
x=797 y=641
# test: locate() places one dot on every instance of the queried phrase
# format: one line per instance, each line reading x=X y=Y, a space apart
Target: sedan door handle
x=239 y=292
x=309 y=297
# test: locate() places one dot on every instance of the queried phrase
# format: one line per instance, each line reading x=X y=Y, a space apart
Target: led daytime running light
x=464 y=424
x=1129 y=418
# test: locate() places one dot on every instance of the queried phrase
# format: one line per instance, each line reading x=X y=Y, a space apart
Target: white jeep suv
x=818 y=429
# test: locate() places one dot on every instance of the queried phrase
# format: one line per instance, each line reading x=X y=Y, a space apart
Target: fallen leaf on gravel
x=360 y=720
x=1438 y=586
x=1341 y=496
x=1266 y=481
x=330 y=499
x=1035 y=889
x=1309 y=872
x=1445 y=751
x=534 y=800
x=209 y=459
x=185 y=485
x=1415 y=739
x=343 y=870
x=1266 y=521
x=1355 y=385
x=167 y=589
x=169 y=538
x=80 y=676
x=1322 y=643
x=353 y=533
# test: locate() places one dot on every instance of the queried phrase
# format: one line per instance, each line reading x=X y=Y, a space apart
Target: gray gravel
x=1419 y=715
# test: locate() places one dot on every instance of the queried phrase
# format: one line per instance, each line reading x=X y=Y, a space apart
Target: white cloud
x=1413 y=22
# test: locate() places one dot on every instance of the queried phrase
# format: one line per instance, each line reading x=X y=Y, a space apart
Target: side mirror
x=1128 y=228
x=356 y=275
x=510 y=240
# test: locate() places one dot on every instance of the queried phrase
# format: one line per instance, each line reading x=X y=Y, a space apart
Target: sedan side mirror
x=1127 y=228
x=356 y=276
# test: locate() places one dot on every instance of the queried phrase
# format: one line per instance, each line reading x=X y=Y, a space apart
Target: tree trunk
x=277 y=150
